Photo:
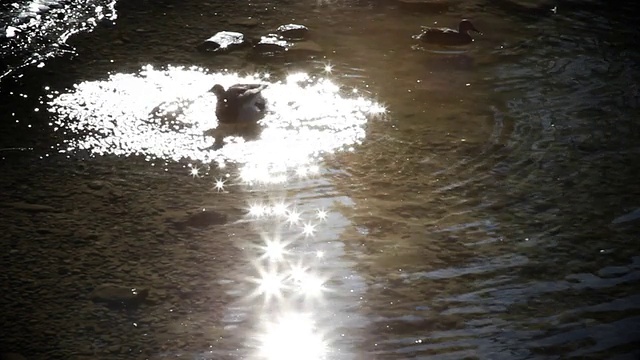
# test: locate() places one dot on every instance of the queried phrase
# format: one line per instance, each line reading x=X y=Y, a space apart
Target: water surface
x=402 y=201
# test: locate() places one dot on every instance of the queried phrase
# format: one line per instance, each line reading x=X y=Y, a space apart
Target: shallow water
x=408 y=203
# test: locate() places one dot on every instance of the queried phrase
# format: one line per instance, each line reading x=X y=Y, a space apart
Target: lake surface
x=401 y=201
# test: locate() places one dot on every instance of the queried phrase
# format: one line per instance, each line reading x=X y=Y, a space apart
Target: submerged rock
x=201 y=218
x=97 y=184
x=293 y=31
x=116 y=295
x=305 y=47
x=223 y=41
x=288 y=38
x=205 y=218
x=245 y=21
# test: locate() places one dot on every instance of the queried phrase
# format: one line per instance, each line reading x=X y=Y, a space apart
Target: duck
x=240 y=103
x=447 y=36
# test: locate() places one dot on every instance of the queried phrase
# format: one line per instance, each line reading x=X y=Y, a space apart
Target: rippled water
x=33 y=31
x=409 y=203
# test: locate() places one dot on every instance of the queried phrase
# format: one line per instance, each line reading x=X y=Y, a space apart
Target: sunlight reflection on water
x=168 y=114
x=292 y=336
x=165 y=114
x=299 y=294
x=288 y=287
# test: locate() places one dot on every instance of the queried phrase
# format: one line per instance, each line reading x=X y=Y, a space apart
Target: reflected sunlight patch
x=165 y=113
x=293 y=336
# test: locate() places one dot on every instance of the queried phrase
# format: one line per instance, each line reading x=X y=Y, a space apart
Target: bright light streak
x=257 y=210
x=274 y=250
x=311 y=285
x=292 y=337
x=271 y=285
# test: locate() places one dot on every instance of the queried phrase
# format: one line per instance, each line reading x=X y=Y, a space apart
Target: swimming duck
x=240 y=103
x=446 y=36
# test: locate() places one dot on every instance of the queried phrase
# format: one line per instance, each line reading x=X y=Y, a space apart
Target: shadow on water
x=491 y=212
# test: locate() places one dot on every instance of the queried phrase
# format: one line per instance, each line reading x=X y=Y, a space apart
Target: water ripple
x=37 y=30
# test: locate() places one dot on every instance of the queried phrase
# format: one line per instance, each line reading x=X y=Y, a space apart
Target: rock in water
x=271 y=44
x=205 y=218
x=223 y=41
x=121 y=296
x=293 y=31
x=287 y=40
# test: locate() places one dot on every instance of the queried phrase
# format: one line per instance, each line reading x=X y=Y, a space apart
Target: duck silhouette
x=240 y=103
x=447 y=36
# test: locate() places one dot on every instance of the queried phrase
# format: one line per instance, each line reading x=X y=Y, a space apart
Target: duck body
x=447 y=36
x=240 y=103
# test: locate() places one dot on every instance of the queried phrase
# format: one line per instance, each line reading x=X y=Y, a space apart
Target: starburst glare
x=194 y=171
x=219 y=185
x=274 y=250
x=270 y=285
x=257 y=210
x=293 y=217
x=308 y=229
x=321 y=214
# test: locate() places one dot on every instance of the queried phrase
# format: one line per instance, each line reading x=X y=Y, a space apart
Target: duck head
x=465 y=26
x=218 y=90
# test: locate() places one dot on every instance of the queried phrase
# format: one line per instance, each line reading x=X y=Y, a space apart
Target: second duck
x=447 y=36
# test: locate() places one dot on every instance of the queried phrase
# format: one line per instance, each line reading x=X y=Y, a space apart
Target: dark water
x=489 y=213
